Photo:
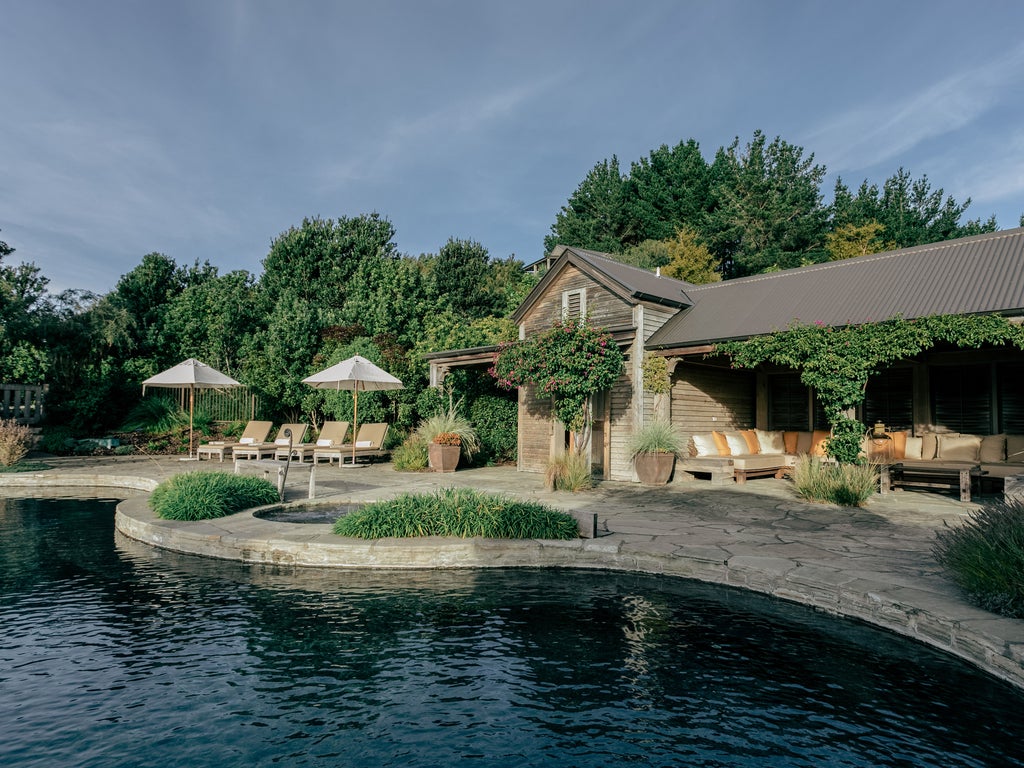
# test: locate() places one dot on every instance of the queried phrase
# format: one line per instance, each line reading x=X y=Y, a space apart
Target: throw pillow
x=819 y=438
x=929 y=445
x=704 y=445
x=789 y=441
x=737 y=444
x=770 y=442
x=959 y=447
x=721 y=443
x=753 y=444
x=899 y=444
x=993 y=449
x=912 y=449
x=1015 y=449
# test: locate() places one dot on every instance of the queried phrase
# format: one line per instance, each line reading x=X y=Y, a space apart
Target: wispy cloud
x=876 y=132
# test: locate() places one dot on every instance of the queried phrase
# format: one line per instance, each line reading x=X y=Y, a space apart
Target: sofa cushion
x=929 y=445
x=753 y=444
x=959 y=447
x=912 y=450
x=772 y=442
x=993 y=449
x=704 y=445
x=1015 y=449
x=737 y=444
x=899 y=444
x=721 y=443
x=819 y=440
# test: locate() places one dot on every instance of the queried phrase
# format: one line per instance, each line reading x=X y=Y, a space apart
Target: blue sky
x=204 y=129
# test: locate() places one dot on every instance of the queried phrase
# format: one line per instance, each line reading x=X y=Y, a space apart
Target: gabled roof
x=972 y=275
x=631 y=283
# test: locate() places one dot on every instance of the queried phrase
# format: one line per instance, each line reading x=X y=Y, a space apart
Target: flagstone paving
x=874 y=563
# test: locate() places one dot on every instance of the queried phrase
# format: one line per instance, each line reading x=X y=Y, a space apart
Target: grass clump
x=657 y=436
x=985 y=557
x=848 y=485
x=569 y=472
x=461 y=512
x=206 y=495
x=411 y=456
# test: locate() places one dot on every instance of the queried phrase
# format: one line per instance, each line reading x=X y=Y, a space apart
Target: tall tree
x=596 y=215
x=690 y=259
x=316 y=260
x=768 y=211
x=668 y=190
x=850 y=240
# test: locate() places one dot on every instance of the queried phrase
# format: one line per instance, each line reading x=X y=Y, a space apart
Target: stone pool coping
x=873 y=566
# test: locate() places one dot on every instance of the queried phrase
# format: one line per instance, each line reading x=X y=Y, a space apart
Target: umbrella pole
x=191 y=412
x=355 y=421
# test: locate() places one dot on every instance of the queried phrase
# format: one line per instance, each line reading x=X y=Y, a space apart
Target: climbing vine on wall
x=837 y=361
x=571 y=361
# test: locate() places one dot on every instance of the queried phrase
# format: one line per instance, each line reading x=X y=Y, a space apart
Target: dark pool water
x=116 y=654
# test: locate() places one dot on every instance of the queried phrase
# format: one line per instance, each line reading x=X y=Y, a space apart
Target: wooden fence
x=22 y=402
x=235 y=404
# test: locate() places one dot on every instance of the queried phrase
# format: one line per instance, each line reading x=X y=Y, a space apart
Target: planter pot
x=654 y=468
x=444 y=458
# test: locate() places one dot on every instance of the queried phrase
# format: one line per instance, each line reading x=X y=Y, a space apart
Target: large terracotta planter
x=443 y=458
x=654 y=468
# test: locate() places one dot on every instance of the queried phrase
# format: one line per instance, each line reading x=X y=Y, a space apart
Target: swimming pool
x=114 y=653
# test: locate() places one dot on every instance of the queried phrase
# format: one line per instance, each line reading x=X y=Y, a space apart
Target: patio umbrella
x=359 y=375
x=191 y=375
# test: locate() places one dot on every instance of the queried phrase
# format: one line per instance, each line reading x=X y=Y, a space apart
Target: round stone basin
x=307 y=515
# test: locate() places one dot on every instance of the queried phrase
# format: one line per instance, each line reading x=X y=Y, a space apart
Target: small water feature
x=312 y=515
x=114 y=653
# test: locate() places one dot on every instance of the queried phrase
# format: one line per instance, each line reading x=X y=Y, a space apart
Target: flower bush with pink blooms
x=571 y=362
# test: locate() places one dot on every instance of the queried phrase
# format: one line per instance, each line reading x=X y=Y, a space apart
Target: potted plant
x=654 y=447
x=444 y=451
x=447 y=433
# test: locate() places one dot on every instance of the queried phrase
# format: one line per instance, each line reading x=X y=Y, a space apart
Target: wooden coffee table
x=949 y=478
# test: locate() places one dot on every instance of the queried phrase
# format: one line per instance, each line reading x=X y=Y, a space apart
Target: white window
x=574 y=304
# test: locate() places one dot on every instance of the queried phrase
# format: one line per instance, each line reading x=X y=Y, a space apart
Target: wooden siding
x=706 y=398
x=535 y=430
x=621 y=427
x=603 y=307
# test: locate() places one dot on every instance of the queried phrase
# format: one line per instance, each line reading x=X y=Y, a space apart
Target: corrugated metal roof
x=979 y=274
x=629 y=281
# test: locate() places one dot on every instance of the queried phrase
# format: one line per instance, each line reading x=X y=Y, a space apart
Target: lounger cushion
x=364 y=443
x=281 y=441
x=324 y=443
x=770 y=442
x=246 y=441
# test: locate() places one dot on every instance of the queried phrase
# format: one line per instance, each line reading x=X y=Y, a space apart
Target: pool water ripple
x=115 y=654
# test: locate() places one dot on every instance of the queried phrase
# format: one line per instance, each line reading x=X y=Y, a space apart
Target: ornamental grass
x=206 y=495
x=848 y=485
x=461 y=512
x=985 y=557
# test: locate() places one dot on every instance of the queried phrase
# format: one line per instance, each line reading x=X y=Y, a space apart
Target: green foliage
x=849 y=485
x=56 y=440
x=569 y=472
x=845 y=441
x=496 y=419
x=656 y=436
x=461 y=512
x=654 y=374
x=571 y=362
x=448 y=421
x=15 y=440
x=156 y=415
x=837 y=361
x=985 y=557
x=411 y=456
x=690 y=259
x=597 y=213
x=207 y=495
x=850 y=240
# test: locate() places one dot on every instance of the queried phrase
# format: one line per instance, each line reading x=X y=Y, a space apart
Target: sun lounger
x=265 y=449
x=332 y=434
x=369 y=443
x=255 y=432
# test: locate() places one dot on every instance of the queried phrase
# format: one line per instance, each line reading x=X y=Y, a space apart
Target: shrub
x=15 y=440
x=657 y=436
x=124 y=450
x=56 y=440
x=985 y=557
x=206 y=495
x=156 y=416
x=569 y=472
x=411 y=456
x=496 y=420
x=849 y=485
x=461 y=512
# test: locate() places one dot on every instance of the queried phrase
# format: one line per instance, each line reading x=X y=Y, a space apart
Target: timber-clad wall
x=603 y=307
x=535 y=426
x=621 y=425
x=705 y=398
